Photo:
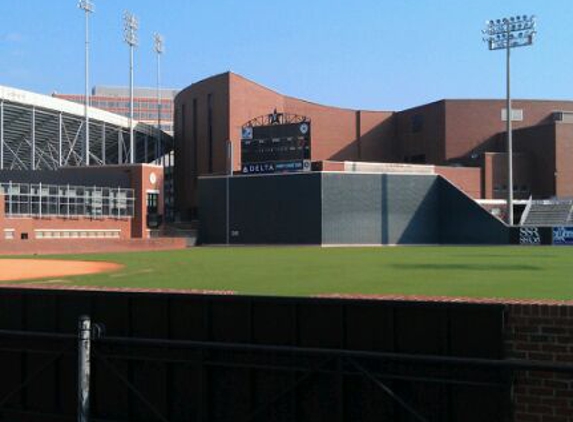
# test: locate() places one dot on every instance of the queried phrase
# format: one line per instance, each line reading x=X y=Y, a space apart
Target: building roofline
x=442 y=100
x=59 y=105
x=230 y=73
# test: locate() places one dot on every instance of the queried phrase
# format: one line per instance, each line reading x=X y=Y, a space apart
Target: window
x=417 y=123
x=516 y=115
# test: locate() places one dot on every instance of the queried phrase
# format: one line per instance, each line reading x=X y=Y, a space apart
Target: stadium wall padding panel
x=411 y=210
x=212 y=212
x=351 y=209
x=264 y=210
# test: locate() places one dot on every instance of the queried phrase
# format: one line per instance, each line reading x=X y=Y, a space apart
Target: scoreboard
x=276 y=148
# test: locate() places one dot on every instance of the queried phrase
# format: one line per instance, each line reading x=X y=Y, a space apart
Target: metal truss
x=33 y=138
x=276 y=118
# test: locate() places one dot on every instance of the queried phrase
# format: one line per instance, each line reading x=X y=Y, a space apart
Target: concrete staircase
x=187 y=230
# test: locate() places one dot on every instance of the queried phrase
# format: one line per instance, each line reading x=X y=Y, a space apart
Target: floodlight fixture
x=505 y=34
x=87 y=6
x=130 y=27
x=158 y=43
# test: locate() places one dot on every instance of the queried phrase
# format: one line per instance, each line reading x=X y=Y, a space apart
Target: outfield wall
x=343 y=209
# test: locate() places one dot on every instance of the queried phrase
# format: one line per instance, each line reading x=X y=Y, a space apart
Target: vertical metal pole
x=228 y=186
x=11 y=199
x=87 y=93
x=84 y=349
x=145 y=146
x=40 y=199
x=159 y=106
x=2 y=135
x=33 y=161
x=120 y=147
x=131 y=140
x=103 y=143
x=509 y=134
x=60 y=122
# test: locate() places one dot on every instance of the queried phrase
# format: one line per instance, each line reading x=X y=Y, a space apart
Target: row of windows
x=516 y=188
x=78 y=234
x=10 y=234
x=165 y=105
x=66 y=201
x=146 y=116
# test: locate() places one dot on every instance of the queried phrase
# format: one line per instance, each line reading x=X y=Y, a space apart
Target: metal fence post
x=84 y=346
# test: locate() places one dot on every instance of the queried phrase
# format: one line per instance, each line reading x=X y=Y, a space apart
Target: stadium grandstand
x=49 y=194
x=39 y=132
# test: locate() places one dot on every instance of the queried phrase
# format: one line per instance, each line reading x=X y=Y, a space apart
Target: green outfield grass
x=505 y=272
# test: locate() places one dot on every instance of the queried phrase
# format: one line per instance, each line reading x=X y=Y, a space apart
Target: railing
x=526 y=211
x=41 y=200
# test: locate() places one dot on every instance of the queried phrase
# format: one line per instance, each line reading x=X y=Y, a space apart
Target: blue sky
x=369 y=54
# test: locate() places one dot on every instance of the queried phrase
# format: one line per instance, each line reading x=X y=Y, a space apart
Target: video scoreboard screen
x=276 y=148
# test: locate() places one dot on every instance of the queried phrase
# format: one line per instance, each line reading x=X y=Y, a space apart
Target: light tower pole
x=88 y=7
x=130 y=37
x=158 y=42
x=505 y=34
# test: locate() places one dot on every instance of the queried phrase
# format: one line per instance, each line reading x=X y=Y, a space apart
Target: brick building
x=463 y=140
x=116 y=100
x=81 y=203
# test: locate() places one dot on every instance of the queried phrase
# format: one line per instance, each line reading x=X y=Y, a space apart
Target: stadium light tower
x=130 y=28
x=505 y=34
x=88 y=7
x=158 y=44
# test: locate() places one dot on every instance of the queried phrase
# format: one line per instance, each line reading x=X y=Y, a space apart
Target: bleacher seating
x=549 y=213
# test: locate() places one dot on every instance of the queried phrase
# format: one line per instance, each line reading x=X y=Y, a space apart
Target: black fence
x=181 y=357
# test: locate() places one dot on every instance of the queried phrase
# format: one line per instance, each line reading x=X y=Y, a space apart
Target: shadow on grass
x=505 y=256
x=468 y=267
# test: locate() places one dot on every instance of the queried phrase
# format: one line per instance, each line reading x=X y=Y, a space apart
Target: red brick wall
x=563 y=160
x=141 y=183
x=377 y=140
x=28 y=225
x=80 y=246
x=467 y=179
x=139 y=178
x=2 y=203
x=472 y=123
x=541 y=333
x=495 y=175
x=429 y=140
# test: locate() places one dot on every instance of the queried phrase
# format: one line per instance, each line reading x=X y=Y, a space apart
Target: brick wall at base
x=81 y=246
x=541 y=333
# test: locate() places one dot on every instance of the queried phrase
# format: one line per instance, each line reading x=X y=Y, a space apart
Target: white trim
x=307 y=173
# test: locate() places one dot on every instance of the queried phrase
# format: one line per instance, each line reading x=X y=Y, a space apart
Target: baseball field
x=480 y=272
